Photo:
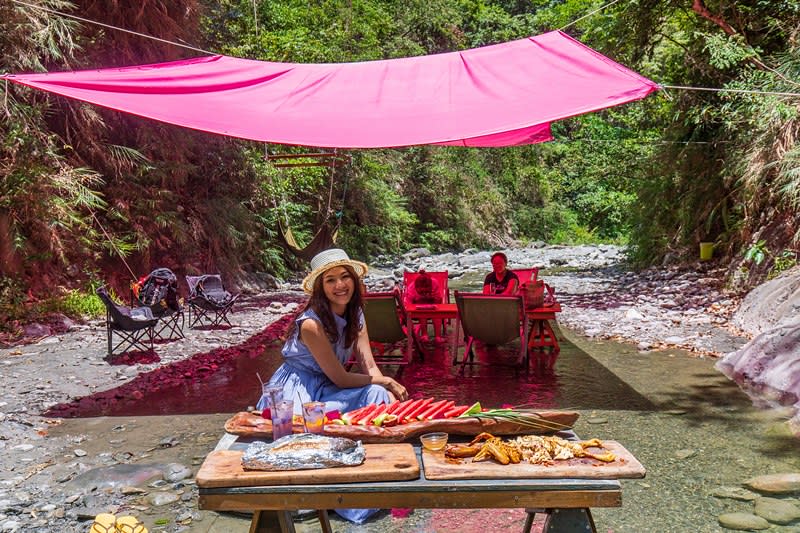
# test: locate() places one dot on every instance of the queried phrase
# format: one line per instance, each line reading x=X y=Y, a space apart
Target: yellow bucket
x=706 y=251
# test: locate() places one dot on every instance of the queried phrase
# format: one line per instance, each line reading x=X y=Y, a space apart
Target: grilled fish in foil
x=303 y=451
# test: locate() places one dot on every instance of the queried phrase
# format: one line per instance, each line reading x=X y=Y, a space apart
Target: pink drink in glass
x=282 y=413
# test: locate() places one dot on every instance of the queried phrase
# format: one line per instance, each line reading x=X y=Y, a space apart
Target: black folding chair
x=209 y=302
x=159 y=291
x=133 y=325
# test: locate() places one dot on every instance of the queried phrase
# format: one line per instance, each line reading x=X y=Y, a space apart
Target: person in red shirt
x=500 y=280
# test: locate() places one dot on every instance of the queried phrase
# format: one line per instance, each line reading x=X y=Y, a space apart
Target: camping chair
x=159 y=291
x=209 y=302
x=491 y=319
x=132 y=324
x=441 y=278
x=385 y=317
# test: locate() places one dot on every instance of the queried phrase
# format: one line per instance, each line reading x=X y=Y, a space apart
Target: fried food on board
x=533 y=449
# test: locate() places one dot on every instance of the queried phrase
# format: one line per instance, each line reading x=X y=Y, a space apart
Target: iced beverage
x=314 y=416
x=282 y=413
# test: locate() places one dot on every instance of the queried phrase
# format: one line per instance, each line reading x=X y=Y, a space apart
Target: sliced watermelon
x=401 y=413
x=456 y=411
x=439 y=413
x=430 y=409
x=396 y=406
x=370 y=418
x=413 y=413
x=363 y=414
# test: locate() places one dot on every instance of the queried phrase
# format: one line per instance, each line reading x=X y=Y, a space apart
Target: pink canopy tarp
x=500 y=95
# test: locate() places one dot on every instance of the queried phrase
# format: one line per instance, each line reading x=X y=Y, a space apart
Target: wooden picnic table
x=567 y=501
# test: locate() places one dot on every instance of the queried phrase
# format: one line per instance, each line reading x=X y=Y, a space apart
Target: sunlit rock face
x=771 y=304
x=768 y=367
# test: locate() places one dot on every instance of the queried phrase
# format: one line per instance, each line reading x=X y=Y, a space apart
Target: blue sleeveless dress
x=304 y=381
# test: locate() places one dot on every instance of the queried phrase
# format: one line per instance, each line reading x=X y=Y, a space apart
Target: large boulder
x=768 y=367
x=772 y=304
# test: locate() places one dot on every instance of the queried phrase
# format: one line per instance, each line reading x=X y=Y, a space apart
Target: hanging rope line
x=635 y=141
x=713 y=89
x=109 y=26
x=587 y=15
x=114 y=246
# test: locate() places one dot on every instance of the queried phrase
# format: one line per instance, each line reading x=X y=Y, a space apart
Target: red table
x=542 y=340
x=429 y=311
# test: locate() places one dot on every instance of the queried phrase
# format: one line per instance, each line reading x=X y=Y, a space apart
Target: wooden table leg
x=324 y=523
x=270 y=522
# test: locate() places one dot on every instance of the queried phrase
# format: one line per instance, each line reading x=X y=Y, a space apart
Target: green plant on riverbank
x=77 y=304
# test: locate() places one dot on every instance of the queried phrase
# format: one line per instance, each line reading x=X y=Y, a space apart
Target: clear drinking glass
x=314 y=416
x=273 y=394
x=282 y=413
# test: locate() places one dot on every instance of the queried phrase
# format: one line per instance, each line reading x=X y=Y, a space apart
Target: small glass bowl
x=434 y=441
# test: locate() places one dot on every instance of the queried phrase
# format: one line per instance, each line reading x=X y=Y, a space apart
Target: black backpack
x=159 y=291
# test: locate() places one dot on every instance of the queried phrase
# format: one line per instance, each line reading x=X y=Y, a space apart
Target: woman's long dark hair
x=319 y=303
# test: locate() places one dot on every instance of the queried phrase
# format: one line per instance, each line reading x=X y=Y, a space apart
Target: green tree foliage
x=84 y=188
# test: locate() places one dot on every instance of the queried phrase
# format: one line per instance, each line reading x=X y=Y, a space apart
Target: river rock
x=784 y=483
x=767 y=365
x=483 y=258
x=114 y=477
x=416 y=253
x=157 y=499
x=777 y=511
x=772 y=304
x=743 y=522
x=175 y=472
x=734 y=493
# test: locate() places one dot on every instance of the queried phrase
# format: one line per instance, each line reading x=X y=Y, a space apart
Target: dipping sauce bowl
x=434 y=441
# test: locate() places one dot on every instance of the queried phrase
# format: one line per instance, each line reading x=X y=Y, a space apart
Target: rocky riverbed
x=57 y=473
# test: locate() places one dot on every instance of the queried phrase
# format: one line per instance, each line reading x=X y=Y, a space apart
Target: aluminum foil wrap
x=303 y=451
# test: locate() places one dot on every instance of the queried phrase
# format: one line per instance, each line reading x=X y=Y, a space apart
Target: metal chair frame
x=132 y=331
x=201 y=310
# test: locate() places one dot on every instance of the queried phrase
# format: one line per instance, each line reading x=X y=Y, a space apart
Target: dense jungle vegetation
x=83 y=187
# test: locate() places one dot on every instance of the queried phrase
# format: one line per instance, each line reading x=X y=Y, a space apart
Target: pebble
x=743 y=522
x=159 y=499
x=685 y=454
x=782 y=483
x=734 y=493
x=777 y=511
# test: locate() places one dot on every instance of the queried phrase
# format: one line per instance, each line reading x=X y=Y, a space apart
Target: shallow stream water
x=692 y=429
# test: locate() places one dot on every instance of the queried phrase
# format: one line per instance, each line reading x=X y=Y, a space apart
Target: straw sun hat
x=328 y=259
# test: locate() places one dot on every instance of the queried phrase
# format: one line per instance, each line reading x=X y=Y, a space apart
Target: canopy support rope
x=114 y=246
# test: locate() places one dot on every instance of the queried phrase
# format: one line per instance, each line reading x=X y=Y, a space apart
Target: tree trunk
x=9 y=260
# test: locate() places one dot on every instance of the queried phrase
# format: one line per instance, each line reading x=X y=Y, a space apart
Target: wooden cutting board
x=384 y=462
x=624 y=466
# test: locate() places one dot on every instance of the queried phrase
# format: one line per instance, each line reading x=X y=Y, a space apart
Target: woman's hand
x=395 y=389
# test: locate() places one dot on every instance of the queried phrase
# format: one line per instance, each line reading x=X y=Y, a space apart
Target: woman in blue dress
x=323 y=337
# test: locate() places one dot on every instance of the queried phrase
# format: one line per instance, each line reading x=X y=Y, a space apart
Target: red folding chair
x=441 y=280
